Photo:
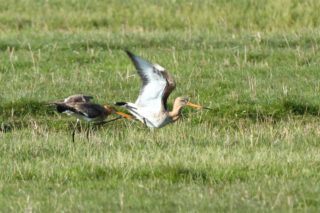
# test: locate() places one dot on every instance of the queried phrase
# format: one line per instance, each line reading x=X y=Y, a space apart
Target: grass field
x=255 y=63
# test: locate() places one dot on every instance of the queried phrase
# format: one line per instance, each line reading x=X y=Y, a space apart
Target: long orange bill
x=122 y=114
x=196 y=106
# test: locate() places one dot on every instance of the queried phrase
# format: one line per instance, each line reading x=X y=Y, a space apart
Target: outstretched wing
x=157 y=84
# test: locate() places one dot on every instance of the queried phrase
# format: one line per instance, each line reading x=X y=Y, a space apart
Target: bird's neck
x=176 y=112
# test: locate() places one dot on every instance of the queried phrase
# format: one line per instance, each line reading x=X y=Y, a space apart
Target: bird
x=81 y=107
x=151 y=105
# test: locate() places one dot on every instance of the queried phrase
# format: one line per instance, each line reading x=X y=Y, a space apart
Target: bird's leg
x=87 y=132
x=144 y=121
x=74 y=129
x=105 y=122
x=73 y=133
x=81 y=125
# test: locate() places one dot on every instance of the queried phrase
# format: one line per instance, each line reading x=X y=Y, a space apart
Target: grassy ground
x=255 y=63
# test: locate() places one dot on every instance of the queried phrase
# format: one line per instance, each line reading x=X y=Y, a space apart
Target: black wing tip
x=130 y=54
x=88 y=96
x=61 y=108
x=120 y=103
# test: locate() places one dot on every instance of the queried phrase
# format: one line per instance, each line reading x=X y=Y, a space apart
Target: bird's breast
x=159 y=120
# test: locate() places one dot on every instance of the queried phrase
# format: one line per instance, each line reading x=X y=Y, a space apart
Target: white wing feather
x=154 y=83
x=151 y=93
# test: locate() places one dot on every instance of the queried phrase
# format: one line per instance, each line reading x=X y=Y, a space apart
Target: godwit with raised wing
x=151 y=105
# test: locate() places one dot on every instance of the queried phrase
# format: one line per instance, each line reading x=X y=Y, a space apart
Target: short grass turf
x=255 y=63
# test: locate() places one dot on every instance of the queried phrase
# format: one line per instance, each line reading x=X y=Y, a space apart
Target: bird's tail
x=61 y=107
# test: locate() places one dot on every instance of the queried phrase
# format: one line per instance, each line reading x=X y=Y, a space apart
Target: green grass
x=255 y=63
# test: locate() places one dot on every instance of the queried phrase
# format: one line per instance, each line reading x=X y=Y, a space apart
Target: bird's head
x=184 y=101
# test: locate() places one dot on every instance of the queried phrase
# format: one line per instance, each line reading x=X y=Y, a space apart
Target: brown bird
x=81 y=107
x=151 y=105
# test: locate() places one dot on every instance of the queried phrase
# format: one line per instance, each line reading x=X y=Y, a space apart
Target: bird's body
x=148 y=115
x=85 y=110
x=151 y=105
x=81 y=107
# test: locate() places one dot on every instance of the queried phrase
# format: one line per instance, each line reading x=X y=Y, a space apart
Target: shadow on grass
x=34 y=114
x=173 y=174
x=271 y=112
x=25 y=107
x=298 y=108
x=17 y=115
